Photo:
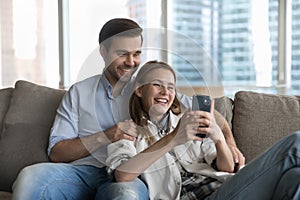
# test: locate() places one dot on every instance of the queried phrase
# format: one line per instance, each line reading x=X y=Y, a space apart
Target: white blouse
x=163 y=176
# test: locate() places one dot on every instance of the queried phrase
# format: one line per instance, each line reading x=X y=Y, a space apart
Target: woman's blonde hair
x=137 y=113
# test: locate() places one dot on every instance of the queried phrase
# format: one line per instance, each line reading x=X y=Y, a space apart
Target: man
x=92 y=114
x=85 y=123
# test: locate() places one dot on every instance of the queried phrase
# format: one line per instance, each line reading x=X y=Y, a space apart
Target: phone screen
x=201 y=102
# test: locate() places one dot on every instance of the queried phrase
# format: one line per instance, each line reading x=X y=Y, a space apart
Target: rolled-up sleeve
x=209 y=149
x=118 y=152
x=65 y=125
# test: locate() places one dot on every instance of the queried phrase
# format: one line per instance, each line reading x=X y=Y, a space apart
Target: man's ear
x=102 y=51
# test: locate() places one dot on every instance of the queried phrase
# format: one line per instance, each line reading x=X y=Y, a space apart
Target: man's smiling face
x=122 y=58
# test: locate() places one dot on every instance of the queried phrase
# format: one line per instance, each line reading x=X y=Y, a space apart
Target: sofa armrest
x=5 y=96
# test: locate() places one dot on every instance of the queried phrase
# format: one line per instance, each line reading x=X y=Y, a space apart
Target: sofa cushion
x=259 y=120
x=20 y=146
x=5 y=96
x=33 y=104
x=224 y=106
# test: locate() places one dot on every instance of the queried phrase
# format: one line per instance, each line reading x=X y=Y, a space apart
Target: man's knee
x=125 y=190
x=292 y=176
x=288 y=186
x=27 y=174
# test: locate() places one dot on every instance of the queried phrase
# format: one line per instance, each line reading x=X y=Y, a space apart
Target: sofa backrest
x=259 y=120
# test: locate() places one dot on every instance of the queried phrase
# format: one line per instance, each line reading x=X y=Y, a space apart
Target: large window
x=230 y=45
x=235 y=44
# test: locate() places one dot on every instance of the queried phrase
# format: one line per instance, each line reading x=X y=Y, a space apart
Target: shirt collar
x=107 y=86
x=172 y=123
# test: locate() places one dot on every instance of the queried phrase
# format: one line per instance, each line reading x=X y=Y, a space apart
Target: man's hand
x=236 y=153
x=123 y=130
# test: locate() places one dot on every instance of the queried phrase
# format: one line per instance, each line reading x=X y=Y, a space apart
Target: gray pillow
x=5 y=96
x=20 y=146
x=33 y=104
x=259 y=120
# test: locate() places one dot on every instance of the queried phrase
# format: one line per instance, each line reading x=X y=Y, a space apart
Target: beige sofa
x=28 y=110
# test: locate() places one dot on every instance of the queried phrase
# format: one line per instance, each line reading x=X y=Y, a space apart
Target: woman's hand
x=193 y=122
x=209 y=126
x=187 y=128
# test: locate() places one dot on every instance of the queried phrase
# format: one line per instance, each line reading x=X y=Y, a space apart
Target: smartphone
x=201 y=102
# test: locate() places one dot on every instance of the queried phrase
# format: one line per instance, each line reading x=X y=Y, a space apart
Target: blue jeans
x=273 y=175
x=65 y=181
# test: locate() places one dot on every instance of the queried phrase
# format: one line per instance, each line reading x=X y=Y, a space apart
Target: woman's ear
x=138 y=91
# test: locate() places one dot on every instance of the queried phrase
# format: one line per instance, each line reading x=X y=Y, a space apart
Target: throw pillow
x=262 y=119
x=33 y=104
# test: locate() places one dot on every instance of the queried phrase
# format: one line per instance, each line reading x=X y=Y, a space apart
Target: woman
x=176 y=164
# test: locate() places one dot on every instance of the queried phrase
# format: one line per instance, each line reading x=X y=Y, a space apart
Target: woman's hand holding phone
x=201 y=102
x=204 y=103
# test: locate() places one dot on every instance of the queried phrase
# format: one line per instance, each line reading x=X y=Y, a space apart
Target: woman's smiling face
x=158 y=92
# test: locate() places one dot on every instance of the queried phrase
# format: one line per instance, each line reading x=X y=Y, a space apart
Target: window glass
x=228 y=44
x=295 y=48
x=238 y=38
x=29 y=42
x=221 y=43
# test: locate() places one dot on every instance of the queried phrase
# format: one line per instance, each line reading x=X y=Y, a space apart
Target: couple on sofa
x=155 y=155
